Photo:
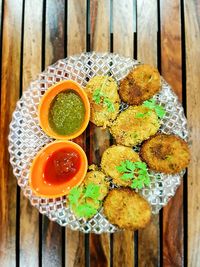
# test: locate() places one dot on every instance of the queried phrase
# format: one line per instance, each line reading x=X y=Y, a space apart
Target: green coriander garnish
x=143 y=115
x=109 y=104
x=79 y=197
x=99 y=96
x=151 y=104
x=137 y=172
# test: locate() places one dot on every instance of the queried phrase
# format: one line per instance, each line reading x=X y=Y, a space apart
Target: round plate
x=26 y=137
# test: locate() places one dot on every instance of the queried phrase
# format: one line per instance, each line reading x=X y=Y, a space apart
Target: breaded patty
x=130 y=128
x=104 y=100
x=140 y=84
x=166 y=153
x=112 y=157
x=88 y=206
x=127 y=209
x=98 y=178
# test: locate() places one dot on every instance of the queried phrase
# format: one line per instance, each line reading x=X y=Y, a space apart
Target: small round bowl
x=46 y=101
x=36 y=177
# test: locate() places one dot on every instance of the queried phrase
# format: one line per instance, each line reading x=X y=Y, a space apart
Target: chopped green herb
x=74 y=195
x=92 y=191
x=137 y=172
x=85 y=210
x=151 y=103
x=98 y=97
x=143 y=115
x=108 y=103
x=78 y=197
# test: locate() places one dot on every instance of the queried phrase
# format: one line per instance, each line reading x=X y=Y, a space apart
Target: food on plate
x=86 y=200
x=66 y=113
x=104 y=100
x=64 y=110
x=135 y=172
x=57 y=168
x=140 y=84
x=165 y=153
x=112 y=157
x=135 y=125
x=127 y=209
x=98 y=178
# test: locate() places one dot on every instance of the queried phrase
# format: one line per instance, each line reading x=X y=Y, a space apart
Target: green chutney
x=66 y=113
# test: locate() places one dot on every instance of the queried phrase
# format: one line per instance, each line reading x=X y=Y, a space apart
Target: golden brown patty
x=98 y=178
x=140 y=84
x=100 y=114
x=127 y=209
x=129 y=129
x=112 y=157
x=92 y=177
x=166 y=153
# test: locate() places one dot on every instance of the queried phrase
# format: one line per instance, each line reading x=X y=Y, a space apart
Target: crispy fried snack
x=165 y=153
x=127 y=209
x=112 y=157
x=130 y=128
x=98 y=178
x=140 y=84
x=86 y=199
x=104 y=100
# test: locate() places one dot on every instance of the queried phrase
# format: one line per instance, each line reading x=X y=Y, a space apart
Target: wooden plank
x=76 y=27
x=148 y=239
x=192 y=34
x=76 y=43
x=54 y=50
x=147 y=32
x=171 y=70
x=123 y=26
x=29 y=236
x=123 y=43
x=99 y=139
x=100 y=25
x=1 y=19
x=171 y=44
x=10 y=88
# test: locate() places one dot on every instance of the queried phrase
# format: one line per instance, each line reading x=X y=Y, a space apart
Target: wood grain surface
x=10 y=90
x=171 y=66
x=76 y=43
x=99 y=139
x=123 y=43
x=192 y=33
x=32 y=54
x=148 y=239
x=54 y=50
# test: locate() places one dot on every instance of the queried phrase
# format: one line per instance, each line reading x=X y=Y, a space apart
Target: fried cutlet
x=112 y=157
x=102 y=92
x=98 y=178
x=140 y=84
x=130 y=128
x=165 y=153
x=127 y=209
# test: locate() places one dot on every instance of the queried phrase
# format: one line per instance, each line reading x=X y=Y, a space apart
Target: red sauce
x=61 y=166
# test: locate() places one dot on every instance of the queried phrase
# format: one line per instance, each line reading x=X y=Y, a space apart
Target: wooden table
x=34 y=34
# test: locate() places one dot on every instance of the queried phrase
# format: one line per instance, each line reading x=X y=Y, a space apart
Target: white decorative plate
x=26 y=137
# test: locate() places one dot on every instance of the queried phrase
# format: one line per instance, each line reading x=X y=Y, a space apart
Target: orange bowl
x=36 y=177
x=46 y=101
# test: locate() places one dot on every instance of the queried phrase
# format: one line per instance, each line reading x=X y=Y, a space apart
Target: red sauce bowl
x=55 y=170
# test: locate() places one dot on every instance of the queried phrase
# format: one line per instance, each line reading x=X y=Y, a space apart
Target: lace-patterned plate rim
x=26 y=138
